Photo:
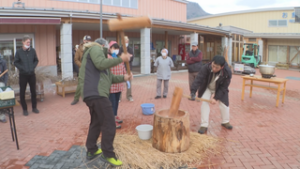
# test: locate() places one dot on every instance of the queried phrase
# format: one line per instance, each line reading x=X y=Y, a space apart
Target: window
x=120 y=3
x=252 y=39
x=273 y=23
x=125 y=3
x=277 y=23
x=282 y=22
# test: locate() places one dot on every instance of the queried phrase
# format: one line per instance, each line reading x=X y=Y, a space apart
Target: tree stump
x=171 y=134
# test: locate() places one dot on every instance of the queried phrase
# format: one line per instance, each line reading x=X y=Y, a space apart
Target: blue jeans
x=114 y=99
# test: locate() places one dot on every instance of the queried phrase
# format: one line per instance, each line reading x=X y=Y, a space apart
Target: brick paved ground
x=263 y=136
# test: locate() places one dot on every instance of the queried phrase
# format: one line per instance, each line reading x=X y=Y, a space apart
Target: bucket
x=144 y=131
x=148 y=108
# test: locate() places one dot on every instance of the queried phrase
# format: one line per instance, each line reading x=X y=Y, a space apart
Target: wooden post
x=215 y=47
x=288 y=55
x=267 y=51
x=234 y=48
x=166 y=40
x=204 y=48
x=118 y=37
x=239 y=49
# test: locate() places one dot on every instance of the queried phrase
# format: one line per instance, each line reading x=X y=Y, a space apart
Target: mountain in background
x=194 y=10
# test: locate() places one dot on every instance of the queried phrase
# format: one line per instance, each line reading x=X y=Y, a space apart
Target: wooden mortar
x=171 y=134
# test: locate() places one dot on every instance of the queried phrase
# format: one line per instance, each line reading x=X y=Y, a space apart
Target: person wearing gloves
x=116 y=89
x=212 y=83
x=95 y=79
x=163 y=65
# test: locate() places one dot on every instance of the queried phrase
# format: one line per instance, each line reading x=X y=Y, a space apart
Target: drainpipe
x=100 y=18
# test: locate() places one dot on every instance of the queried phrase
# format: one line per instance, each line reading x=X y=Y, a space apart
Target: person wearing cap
x=75 y=67
x=95 y=80
x=194 y=64
x=77 y=59
x=130 y=51
x=163 y=64
x=116 y=89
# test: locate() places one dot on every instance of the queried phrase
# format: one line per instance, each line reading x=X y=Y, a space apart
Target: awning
x=30 y=20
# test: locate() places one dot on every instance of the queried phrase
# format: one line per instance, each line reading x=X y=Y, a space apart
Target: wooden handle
x=124 y=44
x=173 y=111
x=4 y=72
x=129 y=23
x=200 y=99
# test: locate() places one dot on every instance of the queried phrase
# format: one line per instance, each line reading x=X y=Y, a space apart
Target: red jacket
x=191 y=60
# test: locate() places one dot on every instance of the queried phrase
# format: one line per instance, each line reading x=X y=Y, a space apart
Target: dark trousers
x=114 y=99
x=23 y=80
x=102 y=120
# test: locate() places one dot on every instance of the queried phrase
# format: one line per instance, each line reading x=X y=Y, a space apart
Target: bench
x=65 y=86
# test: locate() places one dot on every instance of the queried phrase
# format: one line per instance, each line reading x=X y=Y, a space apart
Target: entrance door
x=277 y=54
x=137 y=53
x=7 y=52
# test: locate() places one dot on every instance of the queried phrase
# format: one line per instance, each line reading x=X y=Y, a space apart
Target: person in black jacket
x=3 y=82
x=130 y=51
x=26 y=61
x=212 y=83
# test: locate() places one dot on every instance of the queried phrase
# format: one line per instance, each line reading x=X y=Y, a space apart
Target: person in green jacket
x=95 y=80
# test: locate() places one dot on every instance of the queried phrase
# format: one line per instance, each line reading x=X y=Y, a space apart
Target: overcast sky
x=221 y=6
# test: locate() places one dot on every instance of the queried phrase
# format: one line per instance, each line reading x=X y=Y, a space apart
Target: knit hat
x=87 y=37
x=111 y=43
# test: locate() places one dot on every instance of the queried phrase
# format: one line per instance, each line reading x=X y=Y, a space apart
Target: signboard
x=239 y=67
x=7 y=52
x=297 y=15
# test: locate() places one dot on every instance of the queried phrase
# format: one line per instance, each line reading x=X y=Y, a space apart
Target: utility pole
x=101 y=18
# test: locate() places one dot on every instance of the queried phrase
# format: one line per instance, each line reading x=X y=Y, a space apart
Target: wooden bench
x=63 y=87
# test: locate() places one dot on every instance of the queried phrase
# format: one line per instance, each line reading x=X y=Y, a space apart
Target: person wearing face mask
x=77 y=59
x=130 y=51
x=163 y=66
x=26 y=61
x=116 y=89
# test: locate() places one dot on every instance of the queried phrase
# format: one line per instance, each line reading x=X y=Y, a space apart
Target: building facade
x=56 y=26
x=273 y=29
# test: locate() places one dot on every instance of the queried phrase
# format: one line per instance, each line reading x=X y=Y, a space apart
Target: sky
x=222 y=6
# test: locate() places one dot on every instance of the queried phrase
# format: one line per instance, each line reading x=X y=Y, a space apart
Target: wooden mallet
x=122 y=24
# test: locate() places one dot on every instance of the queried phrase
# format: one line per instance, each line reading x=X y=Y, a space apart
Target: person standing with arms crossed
x=194 y=64
x=26 y=61
x=77 y=59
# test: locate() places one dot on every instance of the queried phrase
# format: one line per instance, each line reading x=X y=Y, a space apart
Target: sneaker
x=35 y=111
x=74 y=102
x=227 y=125
x=202 y=130
x=165 y=96
x=130 y=99
x=90 y=156
x=112 y=161
x=118 y=126
x=118 y=119
x=25 y=112
x=157 y=97
x=193 y=97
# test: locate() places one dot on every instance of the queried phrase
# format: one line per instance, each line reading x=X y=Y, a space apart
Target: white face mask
x=116 y=51
x=164 y=54
x=126 y=44
x=26 y=46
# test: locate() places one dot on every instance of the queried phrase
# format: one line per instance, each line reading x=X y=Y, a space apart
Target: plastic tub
x=144 y=131
x=148 y=108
